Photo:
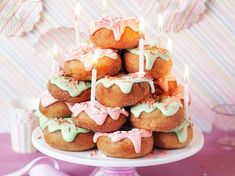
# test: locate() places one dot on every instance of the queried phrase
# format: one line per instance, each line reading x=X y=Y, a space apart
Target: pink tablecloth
x=210 y=161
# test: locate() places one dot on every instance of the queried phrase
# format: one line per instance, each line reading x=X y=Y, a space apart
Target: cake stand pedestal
x=106 y=166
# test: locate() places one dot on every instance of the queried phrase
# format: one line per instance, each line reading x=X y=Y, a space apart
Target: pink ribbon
x=40 y=169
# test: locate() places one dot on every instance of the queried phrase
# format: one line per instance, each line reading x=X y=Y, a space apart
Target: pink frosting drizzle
x=117 y=25
x=99 y=113
x=163 y=81
x=134 y=135
x=85 y=55
x=47 y=99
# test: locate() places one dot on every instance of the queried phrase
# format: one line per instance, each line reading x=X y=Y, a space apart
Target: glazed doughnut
x=125 y=144
x=116 y=33
x=165 y=85
x=157 y=61
x=69 y=89
x=125 y=90
x=62 y=134
x=99 y=117
x=159 y=115
x=176 y=138
x=53 y=108
x=80 y=63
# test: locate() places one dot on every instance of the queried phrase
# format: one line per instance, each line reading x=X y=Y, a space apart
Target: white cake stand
x=107 y=166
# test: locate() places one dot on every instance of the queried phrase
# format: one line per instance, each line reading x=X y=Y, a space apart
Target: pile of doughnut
x=132 y=115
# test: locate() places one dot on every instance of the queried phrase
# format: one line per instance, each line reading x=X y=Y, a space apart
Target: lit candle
x=55 y=65
x=93 y=78
x=105 y=5
x=141 y=47
x=169 y=45
x=160 y=26
x=186 y=92
x=77 y=30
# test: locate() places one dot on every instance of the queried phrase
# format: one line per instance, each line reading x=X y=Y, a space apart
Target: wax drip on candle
x=77 y=31
x=186 y=92
x=141 y=47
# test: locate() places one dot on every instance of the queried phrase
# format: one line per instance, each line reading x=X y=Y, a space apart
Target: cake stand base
x=114 y=171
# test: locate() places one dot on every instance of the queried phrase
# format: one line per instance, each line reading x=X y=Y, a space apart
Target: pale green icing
x=125 y=83
x=181 y=131
x=68 y=130
x=74 y=87
x=151 y=56
x=168 y=107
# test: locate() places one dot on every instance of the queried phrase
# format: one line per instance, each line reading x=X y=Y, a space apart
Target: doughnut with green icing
x=125 y=90
x=175 y=138
x=159 y=115
x=158 y=62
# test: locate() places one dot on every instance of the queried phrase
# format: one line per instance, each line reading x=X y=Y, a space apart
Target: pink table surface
x=210 y=161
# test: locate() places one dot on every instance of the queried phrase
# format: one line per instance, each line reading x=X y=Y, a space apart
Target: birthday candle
x=186 y=92
x=141 y=47
x=77 y=30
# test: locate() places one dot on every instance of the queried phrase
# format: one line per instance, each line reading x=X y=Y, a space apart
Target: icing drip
x=163 y=81
x=70 y=85
x=181 y=131
x=133 y=135
x=125 y=82
x=99 y=113
x=85 y=55
x=168 y=107
x=151 y=54
x=68 y=130
x=47 y=99
x=117 y=25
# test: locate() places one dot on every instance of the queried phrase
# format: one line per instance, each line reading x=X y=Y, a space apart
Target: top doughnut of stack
x=136 y=105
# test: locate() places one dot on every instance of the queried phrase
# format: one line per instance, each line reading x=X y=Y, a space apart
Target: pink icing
x=47 y=99
x=117 y=25
x=99 y=113
x=85 y=55
x=163 y=81
x=134 y=135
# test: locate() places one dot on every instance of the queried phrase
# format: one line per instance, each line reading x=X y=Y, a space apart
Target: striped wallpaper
x=208 y=47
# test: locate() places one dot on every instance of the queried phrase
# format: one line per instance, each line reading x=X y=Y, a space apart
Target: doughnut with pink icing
x=158 y=62
x=125 y=144
x=53 y=108
x=99 y=117
x=116 y=33
x=79 y=63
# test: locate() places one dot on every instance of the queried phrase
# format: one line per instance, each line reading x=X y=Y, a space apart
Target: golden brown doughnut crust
x=110 y=125
x=124 y=148
x=83 y=141
x=156 y=121
x=105 y=67
x=170 y=140
x=55 y=110
x=114 y=97
x=62 y=95
x=104 y=38
x=160 y=67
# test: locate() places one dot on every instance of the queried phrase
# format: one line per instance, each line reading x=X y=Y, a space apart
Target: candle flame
x=169 y=45
x=55 y=51
x=141 y=27
x=78 y=10
x=160 y=22
x=186 y=74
